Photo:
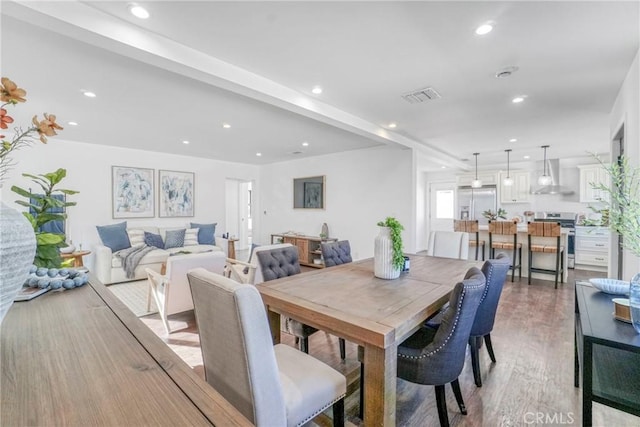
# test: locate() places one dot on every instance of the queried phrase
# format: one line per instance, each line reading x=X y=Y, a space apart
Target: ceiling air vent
x=421 y=95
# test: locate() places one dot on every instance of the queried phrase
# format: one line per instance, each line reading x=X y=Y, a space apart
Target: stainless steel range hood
x=553 y=169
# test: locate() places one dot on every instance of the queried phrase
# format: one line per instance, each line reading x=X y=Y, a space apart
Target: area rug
x=134 y=296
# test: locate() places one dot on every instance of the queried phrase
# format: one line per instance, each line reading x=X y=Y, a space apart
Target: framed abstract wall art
x=132 y=192
x=177 y=191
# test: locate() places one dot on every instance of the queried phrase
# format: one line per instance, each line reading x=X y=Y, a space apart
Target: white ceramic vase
x=383 y=256
x=17 y=251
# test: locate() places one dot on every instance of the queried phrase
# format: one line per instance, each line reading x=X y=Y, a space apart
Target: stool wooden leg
x=530 y=257
x=520 y=264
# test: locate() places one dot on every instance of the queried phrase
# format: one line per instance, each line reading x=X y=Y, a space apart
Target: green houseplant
x=47 y=244
x=396 y=239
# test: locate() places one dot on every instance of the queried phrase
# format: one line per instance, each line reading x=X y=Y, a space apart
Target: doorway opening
x=617 y=254
x=239 y=207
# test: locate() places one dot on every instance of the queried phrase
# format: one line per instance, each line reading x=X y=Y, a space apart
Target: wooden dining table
x=350 y=302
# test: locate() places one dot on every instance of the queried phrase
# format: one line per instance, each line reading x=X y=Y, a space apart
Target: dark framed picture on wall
x=313 y=195
x=177 y=190
x=132 y=192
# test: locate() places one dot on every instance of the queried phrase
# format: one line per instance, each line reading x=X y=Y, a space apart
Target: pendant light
x=508 y=181
x=476 y=183
x=545 y=178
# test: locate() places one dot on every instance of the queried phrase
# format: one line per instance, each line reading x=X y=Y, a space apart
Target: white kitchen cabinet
x=592 y=248
x=519 y=191
x=593 y=174
x=487 y=178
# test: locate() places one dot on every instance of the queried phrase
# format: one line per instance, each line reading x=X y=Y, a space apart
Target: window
x=444 y=204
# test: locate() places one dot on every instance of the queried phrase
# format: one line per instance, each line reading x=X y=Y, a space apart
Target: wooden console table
x=608 y=351
x=81 y=357
x=308 y=247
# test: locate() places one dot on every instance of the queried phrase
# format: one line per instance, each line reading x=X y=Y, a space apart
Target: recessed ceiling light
x=89 y=94
x=527 y=157
x=513 y=140
x=443 y=167
x=305 y=144
x=72 y=123
x=518 y=99
x=226 y=125
x=258 y=154
x=138 y=11
x=317 y=90
x=484 y=29
x=185 y=142
x=393 y=125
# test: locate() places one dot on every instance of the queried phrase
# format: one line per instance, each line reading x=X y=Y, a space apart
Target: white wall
x=362 y=188
x=89 y=171
x=626 y=110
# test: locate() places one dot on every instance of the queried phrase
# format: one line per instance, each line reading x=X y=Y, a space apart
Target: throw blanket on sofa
x=131 y=258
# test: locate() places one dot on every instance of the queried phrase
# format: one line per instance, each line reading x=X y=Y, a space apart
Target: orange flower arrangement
x=11 y=94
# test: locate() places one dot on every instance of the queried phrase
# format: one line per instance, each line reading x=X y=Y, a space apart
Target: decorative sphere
x=63 y=271
x=53 y=272
x=33 y=269
x=77 y=281
x=72 y=273
x=33 y=281
x=56 y=284
x=42 y=271
x=68 y=284
x=44 y=283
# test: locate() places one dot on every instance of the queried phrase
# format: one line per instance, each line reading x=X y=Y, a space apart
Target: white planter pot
x=383 y=256
x=17 y=250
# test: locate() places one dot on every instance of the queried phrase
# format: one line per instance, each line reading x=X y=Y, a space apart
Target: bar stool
x=545 y=230
x=506 y=228
x=471 y=227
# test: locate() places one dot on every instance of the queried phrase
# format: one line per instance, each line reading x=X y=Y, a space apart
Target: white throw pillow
x=136 y=236
x=191 y=237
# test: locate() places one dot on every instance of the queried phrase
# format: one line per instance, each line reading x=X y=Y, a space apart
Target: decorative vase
x=383 y=256
x=17 y=251
x=325 y=230
x=634 y=301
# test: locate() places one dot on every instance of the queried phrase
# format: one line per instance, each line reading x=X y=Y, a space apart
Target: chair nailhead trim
x=310 y=417
x=455 y=324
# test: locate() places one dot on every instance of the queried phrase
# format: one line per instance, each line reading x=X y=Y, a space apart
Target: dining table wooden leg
x=274 y=325
x=380 y=369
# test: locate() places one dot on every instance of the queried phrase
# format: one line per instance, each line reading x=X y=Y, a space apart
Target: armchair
x=171 y=290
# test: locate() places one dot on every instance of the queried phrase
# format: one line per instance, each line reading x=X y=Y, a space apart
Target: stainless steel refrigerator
x=473 y=201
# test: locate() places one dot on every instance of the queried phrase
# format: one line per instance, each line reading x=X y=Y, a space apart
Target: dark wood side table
x=608 y=351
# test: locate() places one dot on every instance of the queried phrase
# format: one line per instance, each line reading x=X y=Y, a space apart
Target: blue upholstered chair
x=436 y=356
x=284 y=262
x=270 y=385
x=495 y=270
x=337 y=253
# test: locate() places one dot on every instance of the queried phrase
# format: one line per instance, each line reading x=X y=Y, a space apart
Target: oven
x=566 y=220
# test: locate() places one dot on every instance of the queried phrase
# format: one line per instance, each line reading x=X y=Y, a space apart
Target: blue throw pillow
x=206 y=234
x=174 y=239
x=114 y=236
x=154 y=240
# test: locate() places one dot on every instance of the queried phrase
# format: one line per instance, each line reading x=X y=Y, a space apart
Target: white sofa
x=108 y=266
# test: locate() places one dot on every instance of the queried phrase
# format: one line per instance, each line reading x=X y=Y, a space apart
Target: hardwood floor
x=531 y=383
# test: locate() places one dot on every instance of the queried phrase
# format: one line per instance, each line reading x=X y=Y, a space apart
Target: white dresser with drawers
x=592 y=248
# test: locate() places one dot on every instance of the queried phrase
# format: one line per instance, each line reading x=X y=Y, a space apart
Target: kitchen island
x=542 y=260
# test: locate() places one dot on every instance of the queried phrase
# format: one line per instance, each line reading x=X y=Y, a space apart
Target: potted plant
x=490 y=215
x=388 y=255
x=622 y=205
x=17 y=240
x=48 y=244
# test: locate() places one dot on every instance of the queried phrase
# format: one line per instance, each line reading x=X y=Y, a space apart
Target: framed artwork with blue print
x=177 y=191
x=132 y=192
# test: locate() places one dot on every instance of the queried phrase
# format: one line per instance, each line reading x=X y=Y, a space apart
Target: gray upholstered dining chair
x=282 y=262
x=337 y=253
x=436 y=356
x=496 y=271
x=270 y=385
